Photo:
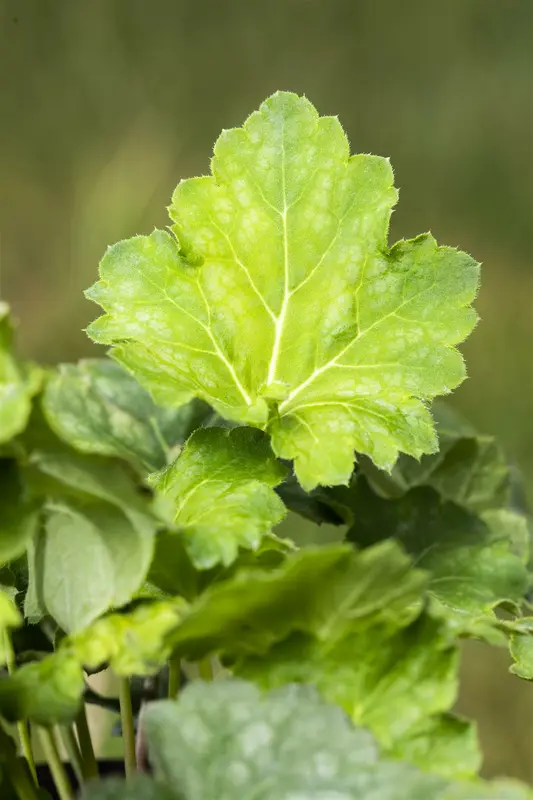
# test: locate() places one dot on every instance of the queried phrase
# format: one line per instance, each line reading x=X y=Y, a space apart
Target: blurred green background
x=106 y=104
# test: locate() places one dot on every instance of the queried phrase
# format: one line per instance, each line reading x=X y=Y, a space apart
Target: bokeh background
x=106 y=104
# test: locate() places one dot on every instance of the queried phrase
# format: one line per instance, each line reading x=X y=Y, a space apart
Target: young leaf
x=396 y=682
x=472 y=569
x=18 y=383
x=323 y=591
x=89 y=560
x=98 y=407
x=18 y=515
x=133 y=643
x=47 y=692
x=280 y=303
x=219 y=493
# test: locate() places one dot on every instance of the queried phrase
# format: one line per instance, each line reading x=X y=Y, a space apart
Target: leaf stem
x=128 y=729
x=205 y=669
x=20 y=780
x=23 y=728
x=174 y=677
x=89 y=763
x=59 y=774
x=73 y=751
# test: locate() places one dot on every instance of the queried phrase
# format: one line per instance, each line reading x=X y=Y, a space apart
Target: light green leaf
x=521 y=648
x=89 y=560
x=472 y=569
x=18 y=383
x=396 y=682
x=9 y=618
x=280 y=303
x=225 y=740
x=132 y=643
x=18 y=515
x=323 y=591
x=98 y=407
x=219 y=493
x=469 y=469
x=138 y=787
x=47 y=692
x=86 y=479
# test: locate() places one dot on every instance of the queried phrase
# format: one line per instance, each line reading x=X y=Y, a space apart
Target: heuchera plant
x=269 y=353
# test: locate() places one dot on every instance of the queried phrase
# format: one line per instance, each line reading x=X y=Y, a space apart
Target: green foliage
x=220 y=493
x=400 y=692
x=226 y=740
x=278 y=340
x=18 y=383
x=289 y=230
x=97 y=407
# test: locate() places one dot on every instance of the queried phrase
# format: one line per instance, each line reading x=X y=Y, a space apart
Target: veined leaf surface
x=220 y=493
x=279 y=302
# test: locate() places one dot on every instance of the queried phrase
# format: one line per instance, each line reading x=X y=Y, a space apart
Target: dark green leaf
x=472 y=569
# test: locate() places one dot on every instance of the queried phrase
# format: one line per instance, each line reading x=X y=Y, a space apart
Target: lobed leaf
x=225 y=740
x=219 y=493
x=278 y=301
x=397 y=682
x=323 y=591
x=98 y=407
x=472 y=568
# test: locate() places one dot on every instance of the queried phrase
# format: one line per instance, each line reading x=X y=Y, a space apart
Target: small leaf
x=219 y=493
x=396 y=682
x=521 y=648
x=472 y=570
x=47 y=692
x=18 y=515
x=133 y=643
x=18 y=383
x=279 y=302
x=90 y=560
x=322 y=591
x=98 y=407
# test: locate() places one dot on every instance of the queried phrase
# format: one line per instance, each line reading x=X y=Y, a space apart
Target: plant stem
x=205 y=668
x=128 y=728
x=73 y=751
x=89 y=763
x=22 y=726
x=174 y=677
x=59 y=774
x=20 y=780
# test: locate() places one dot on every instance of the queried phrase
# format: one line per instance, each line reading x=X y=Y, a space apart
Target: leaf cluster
x=271 y=357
